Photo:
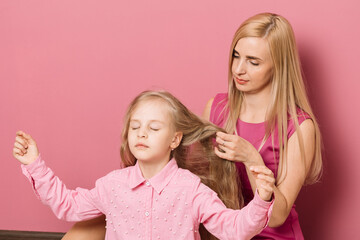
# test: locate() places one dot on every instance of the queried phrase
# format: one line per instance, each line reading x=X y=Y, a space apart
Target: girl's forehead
x=154 y=108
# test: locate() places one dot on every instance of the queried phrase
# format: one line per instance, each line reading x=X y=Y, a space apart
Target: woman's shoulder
x=217 y=108
x=301 y=117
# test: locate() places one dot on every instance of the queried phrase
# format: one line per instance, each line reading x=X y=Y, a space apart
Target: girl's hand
x=25 y=149
x=265 y=181
x=234 y=148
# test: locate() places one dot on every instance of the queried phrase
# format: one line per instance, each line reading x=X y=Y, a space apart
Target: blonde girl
x=154 y=197
x=268 y=118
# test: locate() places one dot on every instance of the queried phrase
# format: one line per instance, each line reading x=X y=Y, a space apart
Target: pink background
x=68 y=70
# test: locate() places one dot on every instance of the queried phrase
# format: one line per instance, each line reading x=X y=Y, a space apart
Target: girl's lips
x=140 y=145
x=241 y=81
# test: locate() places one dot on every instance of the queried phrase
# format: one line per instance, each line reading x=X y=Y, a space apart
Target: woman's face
x=252 y=65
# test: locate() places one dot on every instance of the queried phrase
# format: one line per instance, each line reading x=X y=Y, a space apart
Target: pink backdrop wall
x=68 y=69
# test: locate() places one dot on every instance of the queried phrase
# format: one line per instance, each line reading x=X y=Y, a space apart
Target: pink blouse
x=170 y=205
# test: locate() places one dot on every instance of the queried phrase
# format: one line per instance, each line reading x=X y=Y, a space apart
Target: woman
x=266 y=107
x=266 y=99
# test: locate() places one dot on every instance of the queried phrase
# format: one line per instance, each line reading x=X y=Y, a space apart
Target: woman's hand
x=234 y=148
x=25 y=149
x=265 y=181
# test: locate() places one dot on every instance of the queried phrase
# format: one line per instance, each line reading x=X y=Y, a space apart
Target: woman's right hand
x=234 y=148
x=25 y=149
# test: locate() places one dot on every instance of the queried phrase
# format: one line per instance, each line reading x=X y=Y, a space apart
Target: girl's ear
x=176 y=140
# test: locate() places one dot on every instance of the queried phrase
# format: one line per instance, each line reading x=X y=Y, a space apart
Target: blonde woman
x=268 y=118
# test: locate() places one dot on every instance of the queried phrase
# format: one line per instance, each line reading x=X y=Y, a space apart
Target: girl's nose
x=142 y=133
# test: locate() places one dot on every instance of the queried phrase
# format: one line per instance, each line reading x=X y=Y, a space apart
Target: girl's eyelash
x=255 y=64
x=154 y=129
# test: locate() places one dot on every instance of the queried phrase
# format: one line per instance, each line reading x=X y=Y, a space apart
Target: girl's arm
x=240 y=150
x=67 y=204
x=227 y=223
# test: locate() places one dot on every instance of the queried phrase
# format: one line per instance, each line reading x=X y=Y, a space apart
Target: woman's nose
x=239 y=67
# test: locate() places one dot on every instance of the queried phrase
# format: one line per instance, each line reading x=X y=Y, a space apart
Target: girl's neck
x=151 y=168
x=254 y=106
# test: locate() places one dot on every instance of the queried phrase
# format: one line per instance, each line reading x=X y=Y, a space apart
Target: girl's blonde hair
x=288 y=89
x=195 y=152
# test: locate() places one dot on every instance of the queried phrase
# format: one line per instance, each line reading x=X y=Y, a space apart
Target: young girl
x=152 y=198
x=268 y=117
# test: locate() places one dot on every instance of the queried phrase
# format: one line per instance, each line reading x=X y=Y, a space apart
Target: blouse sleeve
x=70 y=205
x=225 y=223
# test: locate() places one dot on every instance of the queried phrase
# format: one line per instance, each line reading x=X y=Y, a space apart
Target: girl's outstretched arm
x=70 y=205
x=228 y=224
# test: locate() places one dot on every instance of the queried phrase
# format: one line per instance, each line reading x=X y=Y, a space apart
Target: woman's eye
x=254 y=63
x=235 y=55
x=134 y=128
x=154 y=129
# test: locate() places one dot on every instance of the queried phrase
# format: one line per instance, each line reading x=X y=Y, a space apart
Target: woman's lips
x=241 y=81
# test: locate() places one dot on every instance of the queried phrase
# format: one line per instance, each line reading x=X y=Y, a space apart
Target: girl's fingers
x=25 y=135
x=267 y=188
x=20 y=147
x=22 y=141
x=261 y=169
x=266 y=178
x=17 y=151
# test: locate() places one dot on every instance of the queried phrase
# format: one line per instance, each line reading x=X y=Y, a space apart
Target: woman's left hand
x=234 y=148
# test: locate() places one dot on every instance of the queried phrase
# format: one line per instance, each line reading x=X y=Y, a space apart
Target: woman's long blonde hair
x=195 y=152
x=288 y=90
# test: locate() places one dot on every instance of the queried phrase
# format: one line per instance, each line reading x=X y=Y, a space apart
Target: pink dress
x=254 y=133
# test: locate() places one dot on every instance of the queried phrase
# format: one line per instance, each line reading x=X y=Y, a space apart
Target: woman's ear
x=176 y=140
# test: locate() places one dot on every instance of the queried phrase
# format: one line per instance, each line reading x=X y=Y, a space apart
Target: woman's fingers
x=225 y=136
x=220 y=153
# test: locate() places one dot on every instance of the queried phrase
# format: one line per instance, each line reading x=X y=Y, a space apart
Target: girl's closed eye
x=134 y=125
x=254 y=63
x=154 y=127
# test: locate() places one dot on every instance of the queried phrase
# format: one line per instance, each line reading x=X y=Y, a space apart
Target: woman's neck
x=255 y=105
x=151 y=168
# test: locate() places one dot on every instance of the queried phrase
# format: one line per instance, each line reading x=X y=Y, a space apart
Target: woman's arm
x=93 y=229
x=296 y=171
